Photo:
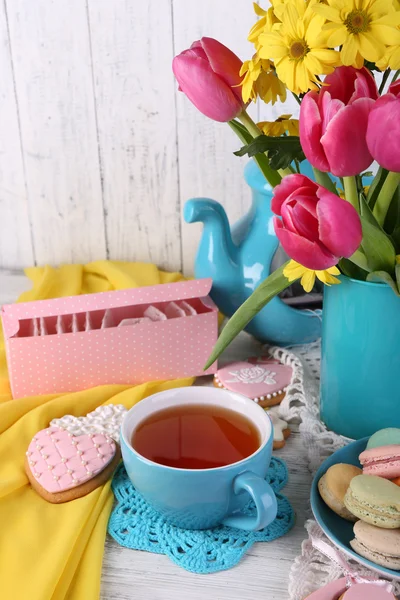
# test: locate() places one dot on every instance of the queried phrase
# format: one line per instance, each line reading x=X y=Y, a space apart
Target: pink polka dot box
x=130 y=336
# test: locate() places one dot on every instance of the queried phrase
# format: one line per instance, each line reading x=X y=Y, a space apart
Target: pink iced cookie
x=264 y=383
x=135 y=321
x=173 y=311
x=366 y=591
x=383 y=461
x=332 y=591
x=61 y=466
x=154 y=314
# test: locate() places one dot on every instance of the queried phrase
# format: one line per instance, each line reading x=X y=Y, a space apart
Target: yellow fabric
x=48 y=551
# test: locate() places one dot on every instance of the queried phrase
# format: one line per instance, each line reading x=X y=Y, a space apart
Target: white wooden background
x=98 y=149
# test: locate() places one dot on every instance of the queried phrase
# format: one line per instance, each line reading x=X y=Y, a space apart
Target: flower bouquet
x=340 y=60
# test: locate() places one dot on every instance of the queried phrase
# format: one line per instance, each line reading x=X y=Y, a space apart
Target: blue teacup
x=203 y=498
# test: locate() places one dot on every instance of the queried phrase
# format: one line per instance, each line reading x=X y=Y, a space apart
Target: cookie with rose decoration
x=263 y=380
x=75 y=455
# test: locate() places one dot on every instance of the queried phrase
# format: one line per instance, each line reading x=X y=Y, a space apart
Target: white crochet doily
x=311 y=570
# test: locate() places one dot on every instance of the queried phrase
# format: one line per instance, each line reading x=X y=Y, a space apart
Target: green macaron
x=374 y=500
x=384 y=437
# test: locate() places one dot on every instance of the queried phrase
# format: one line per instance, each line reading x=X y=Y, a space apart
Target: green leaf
x=392 y=219
x=240 y=131
x=367 y=174
x=382 y=276
x=377 y=247
x=371 y=66
x=395 y=237
x=268 y=289
x=397 y=273
x=282 y=151
x=262 y=161
x=376 y=187
x=351 y=269
x=366 y=212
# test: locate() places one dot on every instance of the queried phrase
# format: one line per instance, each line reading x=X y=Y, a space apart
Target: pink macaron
x=383 y=461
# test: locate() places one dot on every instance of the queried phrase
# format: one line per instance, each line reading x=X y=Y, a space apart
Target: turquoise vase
x=360 y=368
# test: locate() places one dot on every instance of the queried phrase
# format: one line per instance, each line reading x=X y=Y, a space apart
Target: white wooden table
x=263 y=572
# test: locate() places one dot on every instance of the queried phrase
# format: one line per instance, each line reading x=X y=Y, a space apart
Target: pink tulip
x=317 y=227
x=383 y=131
x=333 y=122
x=208 y=73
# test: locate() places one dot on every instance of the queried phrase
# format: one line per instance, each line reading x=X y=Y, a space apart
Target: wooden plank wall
x=98 y=149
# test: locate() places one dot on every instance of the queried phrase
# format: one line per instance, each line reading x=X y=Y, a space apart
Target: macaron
x=374 y=500
x=384 y=437
x=383 y=461
x=333 y=486
x=381 y=546
x=264 y=382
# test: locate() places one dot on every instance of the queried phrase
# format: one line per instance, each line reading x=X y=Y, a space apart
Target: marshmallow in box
x=129 y=336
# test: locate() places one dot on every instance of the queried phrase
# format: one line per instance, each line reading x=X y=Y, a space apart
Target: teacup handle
x=264 y=499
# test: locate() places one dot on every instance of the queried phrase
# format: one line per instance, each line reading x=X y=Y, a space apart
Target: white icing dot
x=89 y=472
x=99 y=456
x=69 y=471
x=80 y=452
x=37 y=475
x=63 y=460
x=74 y=481
x=84 y=462
x=38 y=447
x=96 y=445
x=74 y=443
x=50 y=467
x=274 y=394
x=56 y=477
x=262 y=398
x=32 y=463
x=28 y=453
x=45 y=456
x=269 y=396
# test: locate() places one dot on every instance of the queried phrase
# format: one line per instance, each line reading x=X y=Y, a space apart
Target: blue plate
x=338 y=530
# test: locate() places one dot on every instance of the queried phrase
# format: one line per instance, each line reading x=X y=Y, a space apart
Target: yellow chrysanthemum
x=391 y=59
x=260 y=80
x=362 y=27
x=297 y=48
x=295 y=270
x=284 y=124
x=265 y=23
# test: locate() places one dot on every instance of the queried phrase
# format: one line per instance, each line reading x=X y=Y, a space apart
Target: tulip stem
x=324 y=180
x=351 y=192
x=273 y=177
x=384 y=80
x=395 y=76
x=385 y=197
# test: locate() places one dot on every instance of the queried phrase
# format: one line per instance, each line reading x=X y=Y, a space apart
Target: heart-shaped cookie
x=264 y=382
x=62 y=466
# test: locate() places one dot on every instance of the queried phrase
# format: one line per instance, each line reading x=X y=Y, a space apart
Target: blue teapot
x=238 y=259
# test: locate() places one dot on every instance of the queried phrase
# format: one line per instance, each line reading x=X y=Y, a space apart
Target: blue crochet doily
x=134 y=524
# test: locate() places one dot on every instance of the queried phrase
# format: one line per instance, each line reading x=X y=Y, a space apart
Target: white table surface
x=262 y=573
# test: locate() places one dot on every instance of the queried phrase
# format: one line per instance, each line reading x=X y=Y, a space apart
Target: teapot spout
x=216 y=249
